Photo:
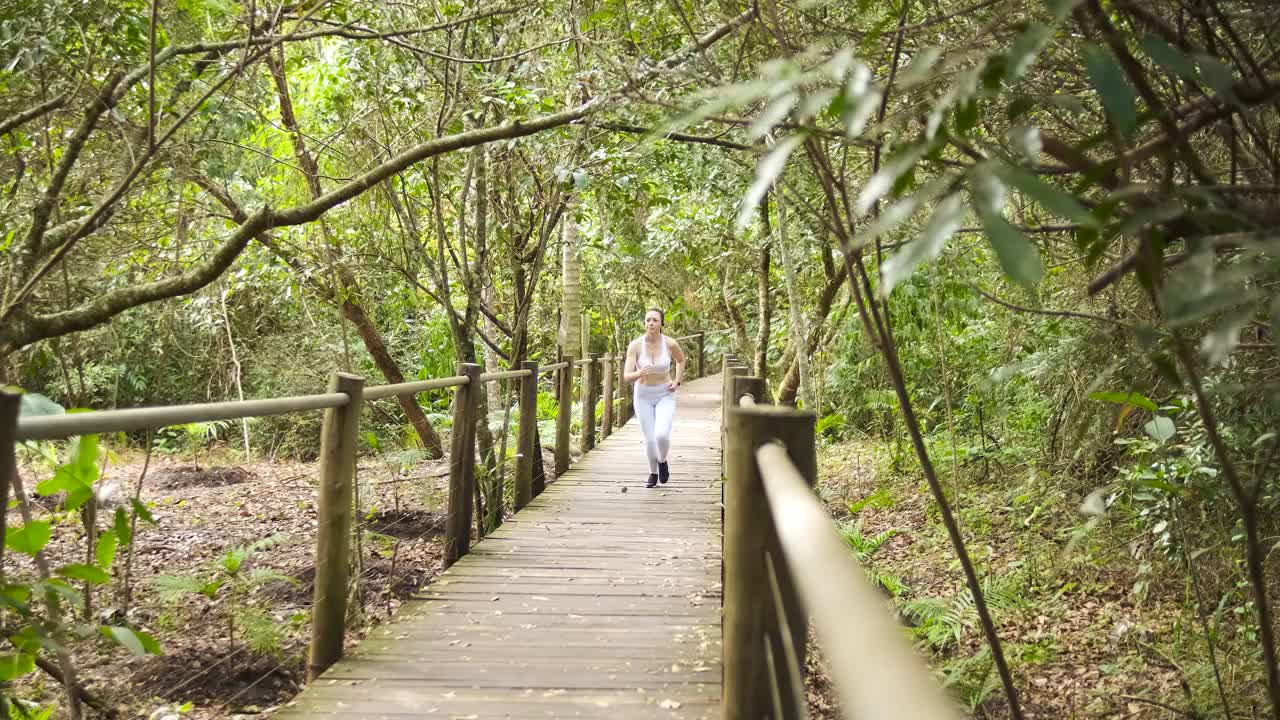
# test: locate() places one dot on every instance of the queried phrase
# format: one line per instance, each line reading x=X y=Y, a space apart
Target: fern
x=260 y=576
x=972 y=678
x=862 y=545
x=939 y=623
x=260 y=630
x=172 y=588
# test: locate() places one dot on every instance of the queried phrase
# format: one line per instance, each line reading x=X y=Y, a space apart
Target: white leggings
x=655 y=405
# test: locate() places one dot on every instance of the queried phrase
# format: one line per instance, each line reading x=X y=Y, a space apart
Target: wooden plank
x=591 y=602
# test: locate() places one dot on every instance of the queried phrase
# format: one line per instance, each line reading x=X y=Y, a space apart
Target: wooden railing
x=342 y=403
x=784 y=565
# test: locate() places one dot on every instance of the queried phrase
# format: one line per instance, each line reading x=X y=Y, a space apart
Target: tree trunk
x=735 y=313
x=765 y=309
x=791 y=381
x=798 y=332
x=391 y=371
x=571 y=278
x=350 y=307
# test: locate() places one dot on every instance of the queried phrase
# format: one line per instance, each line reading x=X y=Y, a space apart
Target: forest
x=1018 y=256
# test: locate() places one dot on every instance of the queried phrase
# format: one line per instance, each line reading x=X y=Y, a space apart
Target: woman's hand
x=671 y=386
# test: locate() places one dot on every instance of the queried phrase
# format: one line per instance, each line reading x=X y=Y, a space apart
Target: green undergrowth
x=1089 y=607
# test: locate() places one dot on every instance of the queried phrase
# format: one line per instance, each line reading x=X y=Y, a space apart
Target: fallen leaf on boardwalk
x=669 y=705
x=539 y=597
x=553 y=693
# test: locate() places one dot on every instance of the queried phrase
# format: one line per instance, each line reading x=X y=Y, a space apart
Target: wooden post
x=797 y=430
x=625 y=411
x=606 y=373
x=753 y=386
x=731 y=371
x=333 y=510
x=589 y=372
x=748 y=536
x=10 y=404
x=564 y=414
x=702 y=355
x=526 y=445
x=462 y=465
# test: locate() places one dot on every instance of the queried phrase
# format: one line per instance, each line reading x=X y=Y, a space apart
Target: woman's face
x=652 y=321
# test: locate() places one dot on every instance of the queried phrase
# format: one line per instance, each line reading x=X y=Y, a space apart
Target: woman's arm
x=677 y=354
x=630 y=373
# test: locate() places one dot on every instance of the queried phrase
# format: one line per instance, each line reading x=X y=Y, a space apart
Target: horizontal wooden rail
x=876 y=672
x=378 y=392
x=52 y=427
x=582 y=363
x=552 y=367
x=502 y=375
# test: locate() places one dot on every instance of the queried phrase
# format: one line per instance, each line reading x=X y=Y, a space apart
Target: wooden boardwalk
x=599 y=600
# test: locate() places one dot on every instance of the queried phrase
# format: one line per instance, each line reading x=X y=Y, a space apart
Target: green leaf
x=883 y=181
x=1056 y=201
x=1025 y=48
x=1168 y=57
x=966 y=117
x=64 y=480
x=767 y=171
x=1161 y=429
x=105 y=551
x=1220 y=342
x=919 y=69
x=86 y=458
x=15 y=665
x=902 y=210
x=211 y=588
x=135 y=641
x=1061 y=8
x=1125 y=398
x=28 y=539
x=142 y=511
x=942 y=225
x=1018 y=257
x=62 y=588
x=1156 y=484
x=123 y=531
x=1217 y=76
x=773 y=113
x=78 y=497
x=1113 y=88
x=88 y=573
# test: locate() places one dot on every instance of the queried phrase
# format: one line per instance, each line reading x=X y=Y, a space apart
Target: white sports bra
x=664 y=358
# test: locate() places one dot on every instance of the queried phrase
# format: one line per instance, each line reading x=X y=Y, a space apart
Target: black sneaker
x=664 y=473
x=652 y=481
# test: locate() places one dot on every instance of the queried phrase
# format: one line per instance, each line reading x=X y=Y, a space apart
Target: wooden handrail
x=53 y=427
x=784 y=563
x=377 y=392
x=552 y=367
x=876 y=672
x=502 y=375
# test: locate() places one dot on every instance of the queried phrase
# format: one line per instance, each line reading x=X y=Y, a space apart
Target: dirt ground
x=201 y=514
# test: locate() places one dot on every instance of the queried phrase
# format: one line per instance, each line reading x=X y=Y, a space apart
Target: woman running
x=649 y=359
